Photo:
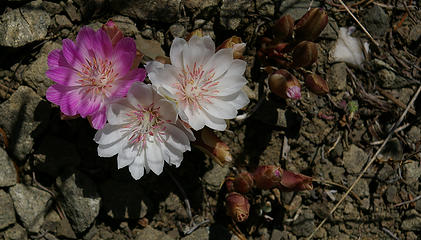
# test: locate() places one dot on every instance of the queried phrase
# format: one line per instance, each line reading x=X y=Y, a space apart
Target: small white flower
x=206 y=86
x=143 y=130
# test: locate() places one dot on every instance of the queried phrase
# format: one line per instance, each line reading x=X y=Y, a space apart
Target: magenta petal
x=63 y=75
x=98 y=119
x=135 y=75
x=72 y=54
x=89 y=105
x=86 y=40
x=104 y=44
x=123 y=56
x=67 y=98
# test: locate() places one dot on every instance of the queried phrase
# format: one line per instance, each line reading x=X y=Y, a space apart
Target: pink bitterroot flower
x=90 y=73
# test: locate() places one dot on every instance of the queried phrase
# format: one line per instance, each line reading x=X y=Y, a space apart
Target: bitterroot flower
x=143 y=130
x=90 y=73
x=206 y=86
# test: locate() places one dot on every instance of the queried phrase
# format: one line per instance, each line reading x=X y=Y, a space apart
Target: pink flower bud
x=209 y=143
x=113 y=32
x=236 y=44
x=311 y=25
x=267 y=177
x=283 y=28
x=198 y=32
x=295 y=182
x=316 y=84
x=304 y=54
x=238 y=207
x=285 y=85
x=243 y=182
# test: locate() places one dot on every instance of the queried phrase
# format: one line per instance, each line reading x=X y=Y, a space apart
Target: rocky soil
x=54 y=186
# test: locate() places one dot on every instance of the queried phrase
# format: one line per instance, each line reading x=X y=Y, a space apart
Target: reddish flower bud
x=198 y=32
x=236 y=44
x=295 y=182
x=243 y=182
x=316 y=84
x=229 y=185
x=267 y=177
x=113 y=32
x=237 y=206
x=210 y=144
x=283 y=28
x=163 y=59
x=285 y=85
x=304 y=54
x=311 y=25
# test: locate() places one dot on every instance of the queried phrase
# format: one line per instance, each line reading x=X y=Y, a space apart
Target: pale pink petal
x=176 y=50
x=166 y=109
x=117 y=112
x=140 y=94
x=109 y=150
x=177 y=138
x=230 y=84
x=220 y=62
x=137 y=167
x=167 y=78
x=220 y=109
x=196 y=53
x=172 y=155
x=238 y=100
x=109 y=134
x=154 y=157
x=238 y=67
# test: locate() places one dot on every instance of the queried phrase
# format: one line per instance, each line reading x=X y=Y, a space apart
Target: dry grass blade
x=391 y=132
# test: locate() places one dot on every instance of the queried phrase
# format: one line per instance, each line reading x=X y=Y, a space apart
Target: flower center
x=145 y=122
x=195 y=86
x=97 y=76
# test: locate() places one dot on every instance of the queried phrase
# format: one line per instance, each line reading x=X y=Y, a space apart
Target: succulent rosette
x=143 y=130
x=90 y=73
x=206 y=86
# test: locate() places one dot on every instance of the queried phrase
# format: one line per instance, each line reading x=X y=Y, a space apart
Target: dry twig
x=391 y=132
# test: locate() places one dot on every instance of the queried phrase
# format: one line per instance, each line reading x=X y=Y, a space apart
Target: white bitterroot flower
x=206 y=86
x=144 y=131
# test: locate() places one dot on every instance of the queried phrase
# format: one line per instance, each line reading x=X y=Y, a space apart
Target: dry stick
x=365 y=30
x=391 y=132
x=407 y=202
x=394 y=100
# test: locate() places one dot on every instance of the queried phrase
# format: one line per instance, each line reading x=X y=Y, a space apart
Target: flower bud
x=304 y=54
x=283 y=28
x=285 y=85
x=209 y=143
x=243 y=182
x=236 y=44
x=311 y=25
x=295 y=182
x=163 y=59
x=113 y=32
x=316 y=84
x=229 y=185
x=267 y=177
x=198 y=32
x=237 y=206
x=137 y=59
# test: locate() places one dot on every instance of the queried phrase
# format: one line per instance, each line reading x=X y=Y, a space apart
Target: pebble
x=296 y=8
x=7 y=213
x=232 y=11
x=31 y=205
x=8 y=175
x=215 y=177
x=376 y=21
x=150 y=48
x=19 y=27
x=17 y=232
x=354 y=159
x=412 y=222
x=412 y=172
x=304 y=225
x=167 y=11
x=152 y=234
x=336 y=77
x=199 y=234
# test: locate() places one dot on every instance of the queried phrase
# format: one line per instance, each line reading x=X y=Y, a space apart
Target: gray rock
x=17 y=232
x=177 y=30
x=31 y=205
x=386 y=173
x=200 y=4
x=34 y=73
x=331 y=30
x=412 y=172
x=150 y=48
x=73 y=12
x=265 y=7
x=22 y=114
x=392 y=194
x=200 y=234
x=7 y=213
x=304 y=225
x=414 y=134
x=362 y=188
x=19 y=27
x=55 y=155
x=156 y=10
x=415 y=33
x=123 y=200
x=8 y=174
x=51 y=7
x=388 y=79
x=412 y=222
x=173 y=204
x=81 y=201
x=126 y=25
x=152 y=234
x=376 y=21
x=336 y=77
x=232 y=11
x=215 y=177
x=296 y=8
x=354 y=159
x=62 y=21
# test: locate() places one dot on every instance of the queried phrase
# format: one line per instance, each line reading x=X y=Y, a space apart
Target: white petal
x=171 y=155
x=205 y=42
x=167 y=110
x=220 y=109
x=110 y=150
x=137 y=167
x=127 y=155
x=186 y=130
x=177 y=138
x=154 y=156
x=109 y=134
x=215 y=123
x=176 y=50
x=167 y=78
x=117 y=112
x=238 y=100
x=238 y=67
x=193 y=118
x=140 y=93
x=198 y=52
x=220 y=62
x=230 y=84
